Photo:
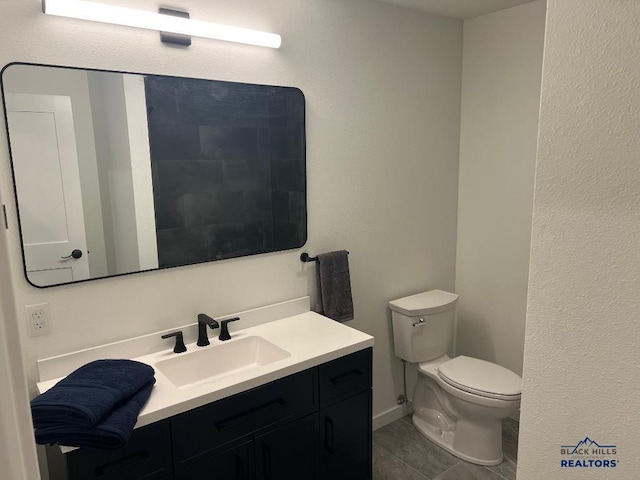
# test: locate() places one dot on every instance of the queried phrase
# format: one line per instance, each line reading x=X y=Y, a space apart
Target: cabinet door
x=233 y=464
x=147 y=455
x=288 y=453
x=345 y=439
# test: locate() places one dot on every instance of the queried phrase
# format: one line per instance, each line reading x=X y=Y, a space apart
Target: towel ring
x=304 y=257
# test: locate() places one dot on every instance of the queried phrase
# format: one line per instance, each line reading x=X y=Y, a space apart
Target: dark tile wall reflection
x=228 y=163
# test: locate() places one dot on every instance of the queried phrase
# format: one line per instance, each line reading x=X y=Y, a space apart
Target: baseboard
x=390 y=415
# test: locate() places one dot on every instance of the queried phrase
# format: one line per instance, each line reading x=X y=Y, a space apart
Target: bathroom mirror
x=117 y=173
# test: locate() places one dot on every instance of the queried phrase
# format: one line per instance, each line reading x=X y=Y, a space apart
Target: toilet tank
x=423 y=325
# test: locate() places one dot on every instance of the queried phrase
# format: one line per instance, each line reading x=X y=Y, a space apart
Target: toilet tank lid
x=425 y=303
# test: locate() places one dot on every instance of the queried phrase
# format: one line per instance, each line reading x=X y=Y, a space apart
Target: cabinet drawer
x=206 y=428
x=345 y=376
x=147 y=455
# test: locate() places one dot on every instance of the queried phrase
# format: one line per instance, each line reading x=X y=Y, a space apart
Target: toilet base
x=446 y=439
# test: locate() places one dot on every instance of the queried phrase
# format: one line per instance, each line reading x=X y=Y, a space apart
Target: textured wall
x=501 y=72
x=382 y=90
x=581 y=347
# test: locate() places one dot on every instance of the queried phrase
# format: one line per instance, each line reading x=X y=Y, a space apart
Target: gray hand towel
x=334 y=286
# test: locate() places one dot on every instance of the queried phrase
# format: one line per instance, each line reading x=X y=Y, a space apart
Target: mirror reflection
x=118 y=173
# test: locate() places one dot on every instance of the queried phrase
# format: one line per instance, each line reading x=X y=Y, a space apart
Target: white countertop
x=310 y=338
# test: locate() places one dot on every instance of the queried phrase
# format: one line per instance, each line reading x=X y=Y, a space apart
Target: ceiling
x=462 y=9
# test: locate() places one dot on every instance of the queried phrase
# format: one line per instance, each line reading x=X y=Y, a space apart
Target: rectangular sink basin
x=214 y=363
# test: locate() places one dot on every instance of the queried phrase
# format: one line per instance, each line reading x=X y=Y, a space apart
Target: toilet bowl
x=458 y=403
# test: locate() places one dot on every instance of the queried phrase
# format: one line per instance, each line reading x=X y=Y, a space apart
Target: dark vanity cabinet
x=345 y=417
x=146 y=456
x=289 y=452
x=235 y=462
x=312 y=425
x=269 y=417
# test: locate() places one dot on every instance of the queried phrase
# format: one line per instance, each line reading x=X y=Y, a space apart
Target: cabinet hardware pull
x=267 y=462
x=239 y=468
x=328 y=434
x=345 y=377
x=249 y=414
x=121 y=463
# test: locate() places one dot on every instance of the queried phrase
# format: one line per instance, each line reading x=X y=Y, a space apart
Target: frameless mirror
x=117 y=173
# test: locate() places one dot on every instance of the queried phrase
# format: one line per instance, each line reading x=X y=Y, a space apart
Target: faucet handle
x=180 y=347
x=224 y=328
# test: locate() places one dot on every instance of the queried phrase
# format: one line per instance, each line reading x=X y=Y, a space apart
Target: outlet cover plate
x=38 y=319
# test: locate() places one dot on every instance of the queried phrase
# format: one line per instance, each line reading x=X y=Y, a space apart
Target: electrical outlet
x=38 y=319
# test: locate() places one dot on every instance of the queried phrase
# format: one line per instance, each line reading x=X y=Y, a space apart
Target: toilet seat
x=480 y=377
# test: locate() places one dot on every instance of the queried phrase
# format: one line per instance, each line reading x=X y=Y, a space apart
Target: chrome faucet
x=205 y=321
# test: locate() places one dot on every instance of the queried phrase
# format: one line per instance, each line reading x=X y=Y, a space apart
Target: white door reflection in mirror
x=49 y=184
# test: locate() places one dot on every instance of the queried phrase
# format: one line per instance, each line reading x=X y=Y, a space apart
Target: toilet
x=458 y=403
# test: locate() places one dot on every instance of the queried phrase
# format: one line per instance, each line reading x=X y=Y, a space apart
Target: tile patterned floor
x=400 y=452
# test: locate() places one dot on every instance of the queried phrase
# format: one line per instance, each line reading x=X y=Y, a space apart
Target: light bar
x=99 y=12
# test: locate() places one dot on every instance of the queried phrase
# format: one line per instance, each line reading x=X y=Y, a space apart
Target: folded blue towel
x=89 y=393
x=112 y=432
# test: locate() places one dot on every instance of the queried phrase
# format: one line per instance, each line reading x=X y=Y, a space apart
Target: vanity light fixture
x=100 y=12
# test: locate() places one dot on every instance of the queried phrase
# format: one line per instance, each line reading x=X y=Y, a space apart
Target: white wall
x=501 y=72
x=382 y=86
x=116 y=172
x=122 y=147
x=581 y=355
x=18 y=453
x=99 y=107
x=141 y=175
x=582 y=360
